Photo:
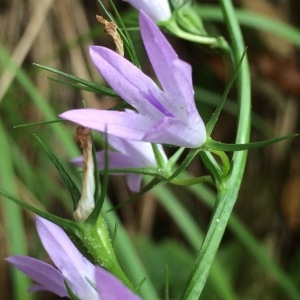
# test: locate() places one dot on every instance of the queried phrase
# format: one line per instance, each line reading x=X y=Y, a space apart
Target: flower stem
x=228 y=190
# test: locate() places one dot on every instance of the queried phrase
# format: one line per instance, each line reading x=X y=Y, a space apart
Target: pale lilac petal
x=47 y=278
x=116 y=160
x=128 y=154
x=159 y=51
x=158 y=10
x=111 y=288
x=140 y=152
x=76 y=269
x=174 y=74
x=134 y=182
x=125 y=124
x=126 y=79
x=167 y=129
x=182 y=79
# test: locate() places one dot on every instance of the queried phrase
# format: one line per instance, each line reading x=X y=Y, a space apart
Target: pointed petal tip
x=145 y=19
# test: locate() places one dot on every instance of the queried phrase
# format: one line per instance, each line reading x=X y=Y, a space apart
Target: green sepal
x=214 y=42
x=212 y=166
x=158 y=156
x=72 y=187
x=190 y=156
x=214 y=145
x=178 y=3
x=174 y=158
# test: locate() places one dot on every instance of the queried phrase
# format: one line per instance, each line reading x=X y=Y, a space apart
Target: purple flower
x=157 y=10
x=163 y=116
x=87 y=282
x=128 y=154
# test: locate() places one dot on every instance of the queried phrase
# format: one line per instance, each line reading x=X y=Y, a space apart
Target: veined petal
x=111 y=288
x=126 y=79
x=157 y=10
x=76 y=269
x=175 y=132
x=160 y=52
x=46 y=276
x=174 y=74
x=124 y=124
x=181 y=101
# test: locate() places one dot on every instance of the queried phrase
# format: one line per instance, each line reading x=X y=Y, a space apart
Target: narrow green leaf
x=215 y=116
x=214 y=145
x=72 y=187
x=38 y=123
x=64 y=223
x=97 y=88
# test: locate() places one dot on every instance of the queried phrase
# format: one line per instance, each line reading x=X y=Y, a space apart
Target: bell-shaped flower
x=157 y=10
x=163 y=116
x=86 y=281
x=127 y=154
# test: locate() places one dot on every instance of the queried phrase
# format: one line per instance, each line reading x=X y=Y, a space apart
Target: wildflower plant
x=157 y=114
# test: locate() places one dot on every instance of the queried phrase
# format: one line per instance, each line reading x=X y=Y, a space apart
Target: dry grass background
x=47 y=32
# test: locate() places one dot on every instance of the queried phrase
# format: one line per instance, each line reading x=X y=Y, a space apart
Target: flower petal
x=140 y=152
x=129 y=82
x=111 y=288
x=76 y=269
x=175 y=132
x=134 y=182
x=125 y=124
x=46 y=276
x=174 y=74
x=159 y=50
x=158 y=10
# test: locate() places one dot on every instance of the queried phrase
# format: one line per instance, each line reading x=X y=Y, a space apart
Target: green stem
x=192 y=181
x=228 y=191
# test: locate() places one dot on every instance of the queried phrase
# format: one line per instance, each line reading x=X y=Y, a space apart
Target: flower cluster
x=162 y=115
x=86 y=281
